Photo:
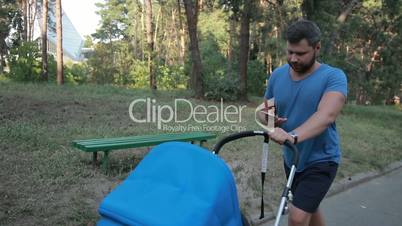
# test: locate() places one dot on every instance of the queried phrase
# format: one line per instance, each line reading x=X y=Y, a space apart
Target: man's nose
x=293 y=58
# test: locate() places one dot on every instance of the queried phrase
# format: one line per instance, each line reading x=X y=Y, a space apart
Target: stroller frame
x=293 y=148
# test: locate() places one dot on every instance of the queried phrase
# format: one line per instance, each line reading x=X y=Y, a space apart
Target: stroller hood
x=175 y=184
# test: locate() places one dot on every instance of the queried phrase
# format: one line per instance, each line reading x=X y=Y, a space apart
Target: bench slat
x=107 y=141
x=140 y=138
x=93 y=148
x=139 y=141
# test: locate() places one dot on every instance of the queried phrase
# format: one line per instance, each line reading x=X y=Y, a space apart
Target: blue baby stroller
x=179 y=184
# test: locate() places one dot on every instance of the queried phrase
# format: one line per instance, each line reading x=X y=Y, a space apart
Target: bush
x=217 y=83
x=167 y=77
x=24 y=62
x=76 y=73
x=139 y=74
x=225 y=88
x=25 y=65
x=171 y=77
x=256 y=77
x=102 y=64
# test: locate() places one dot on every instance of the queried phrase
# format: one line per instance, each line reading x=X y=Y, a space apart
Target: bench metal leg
x=202 y=142
x=94 y=158
x=105 y=161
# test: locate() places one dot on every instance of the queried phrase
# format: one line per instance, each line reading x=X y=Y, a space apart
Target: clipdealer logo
x=183 y=111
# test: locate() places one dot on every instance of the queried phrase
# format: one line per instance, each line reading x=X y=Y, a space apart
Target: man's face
x=301 y=56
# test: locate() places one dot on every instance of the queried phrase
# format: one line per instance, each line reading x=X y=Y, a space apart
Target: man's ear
x=318 y=46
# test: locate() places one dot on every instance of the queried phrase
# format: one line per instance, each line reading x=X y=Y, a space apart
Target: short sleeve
x=337 y=82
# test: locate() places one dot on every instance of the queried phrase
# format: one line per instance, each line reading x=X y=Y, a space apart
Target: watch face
x=295 y=138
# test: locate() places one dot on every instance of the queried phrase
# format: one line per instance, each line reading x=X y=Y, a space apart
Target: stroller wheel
x=244 y=220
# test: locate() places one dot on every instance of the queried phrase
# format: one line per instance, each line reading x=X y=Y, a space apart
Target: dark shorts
x=310 y=186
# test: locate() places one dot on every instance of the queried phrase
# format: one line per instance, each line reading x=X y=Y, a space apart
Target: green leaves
x=114 y=20
x=24 y=62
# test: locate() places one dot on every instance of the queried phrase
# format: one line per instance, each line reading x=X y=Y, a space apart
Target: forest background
x=215 y=48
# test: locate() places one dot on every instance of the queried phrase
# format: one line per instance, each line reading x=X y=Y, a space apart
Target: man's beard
x=302 y=68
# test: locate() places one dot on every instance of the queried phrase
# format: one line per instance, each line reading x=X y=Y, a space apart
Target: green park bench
x=110 y=144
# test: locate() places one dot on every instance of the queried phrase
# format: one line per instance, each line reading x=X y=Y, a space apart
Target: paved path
x=374 y=203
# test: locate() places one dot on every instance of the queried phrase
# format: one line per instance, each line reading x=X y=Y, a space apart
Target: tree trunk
x=142 y=32
x=200 y=5
x=279 y=8
x=159 y=17
x=3 y=53
x=175 y=38
x=135 y=38
x=268 y=60
x=254 y=42
x=1 y=63
x=25 y=16
x=31 y=18
x=182 y=49
x=44 y=39
x=59 y=46
x=28 y=24
x=232 y=37
x=361 y=96
x=244 y=50
x=150 y=43
x=196 y=80
x=308 y=8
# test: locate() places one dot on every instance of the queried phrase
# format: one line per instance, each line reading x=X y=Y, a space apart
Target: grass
x=44 y=181
x=371 y=137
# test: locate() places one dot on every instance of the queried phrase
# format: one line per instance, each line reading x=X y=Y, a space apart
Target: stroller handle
x=243 y=134
x=236 y=136
x=295 y=151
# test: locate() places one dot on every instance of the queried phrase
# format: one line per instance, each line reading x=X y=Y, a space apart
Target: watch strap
x=295 y=137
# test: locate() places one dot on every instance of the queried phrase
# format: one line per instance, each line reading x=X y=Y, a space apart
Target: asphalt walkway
x=375 y=203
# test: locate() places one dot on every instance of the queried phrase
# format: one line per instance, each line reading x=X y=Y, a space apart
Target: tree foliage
x=360 y=36
x=24 y=62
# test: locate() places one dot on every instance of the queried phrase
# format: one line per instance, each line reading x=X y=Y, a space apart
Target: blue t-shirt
x=298 y=101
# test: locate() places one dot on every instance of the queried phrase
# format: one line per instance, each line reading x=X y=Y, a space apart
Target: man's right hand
x=262 y=116
x=279 y=121
x=263 y=119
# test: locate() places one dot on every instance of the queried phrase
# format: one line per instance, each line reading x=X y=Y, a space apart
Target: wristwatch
x=294 y=135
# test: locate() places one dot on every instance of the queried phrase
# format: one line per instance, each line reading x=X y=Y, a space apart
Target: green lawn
x=44 y=181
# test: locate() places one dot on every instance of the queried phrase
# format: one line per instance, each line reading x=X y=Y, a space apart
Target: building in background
x=72 y=40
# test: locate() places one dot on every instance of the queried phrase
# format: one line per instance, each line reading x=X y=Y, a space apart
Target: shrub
x=24 y=62
x=171 y=77
x=225 y=88
x=256 y=78
x=139 y=74
x=76 y=73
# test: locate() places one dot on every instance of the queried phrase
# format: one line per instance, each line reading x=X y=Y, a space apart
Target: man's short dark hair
x=303 y=29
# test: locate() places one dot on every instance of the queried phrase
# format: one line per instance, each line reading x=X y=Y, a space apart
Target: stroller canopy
x=175 y=184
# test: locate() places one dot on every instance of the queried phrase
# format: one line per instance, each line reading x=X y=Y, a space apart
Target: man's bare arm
x=328 y=109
